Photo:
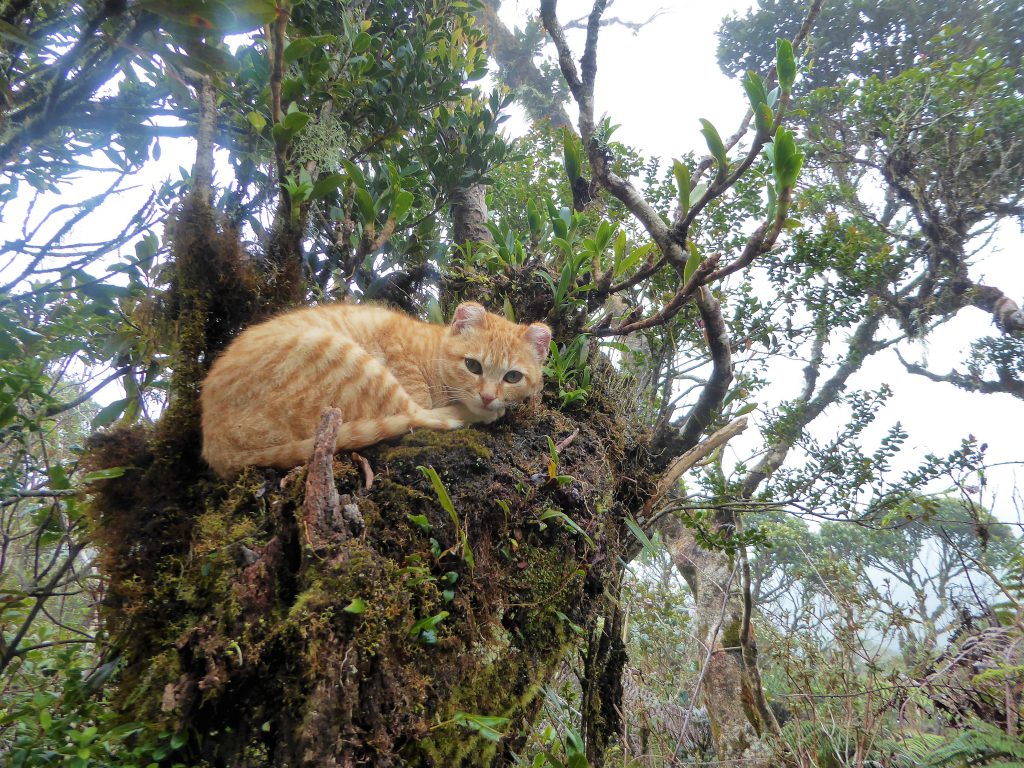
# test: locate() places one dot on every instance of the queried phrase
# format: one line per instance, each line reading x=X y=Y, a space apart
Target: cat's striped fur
x=387 y=373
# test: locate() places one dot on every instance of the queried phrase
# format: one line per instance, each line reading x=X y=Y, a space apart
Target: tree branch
x=1007 y=384
x=32 y=126
x=55 y=409
x=690 y=458
x=807 y=408
x=519 y=71
x=711 y=397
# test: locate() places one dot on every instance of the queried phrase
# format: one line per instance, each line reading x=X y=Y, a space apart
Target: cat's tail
x=351 y=435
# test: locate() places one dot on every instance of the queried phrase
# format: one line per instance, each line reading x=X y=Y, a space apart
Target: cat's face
x=489 y=363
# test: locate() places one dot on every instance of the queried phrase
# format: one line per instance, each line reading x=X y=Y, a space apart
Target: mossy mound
x=370 y=636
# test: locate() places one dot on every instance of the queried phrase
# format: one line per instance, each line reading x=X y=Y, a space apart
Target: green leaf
x=603 y=236
x=631 y=260
x=785 y=63
x=281 y=134
x=103 y=292
x=698 y=193
x=763 y=118
x=757 y=94
x=367 y=208
x=620 y=246
x=357 y=606
x=421 y=521
x=298 y=49
x=104 y=474
x=692 y=261
x=642 y=537
x=715 y=145
x=326 y=185
x=682 y=174
x=552 y=451
x=442 y=493
x=212 y=60
x=567 y=521
x=533 y=217
x=786 y=158
x=403 y=204
x=295 y=121
x=618 y=346
x=257 y=121
x=109 y=414
x=428 y=624
x=354 y=173
x=486 y=725
x=362 y=43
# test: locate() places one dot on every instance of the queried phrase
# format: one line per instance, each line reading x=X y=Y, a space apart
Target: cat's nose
x=487 y=399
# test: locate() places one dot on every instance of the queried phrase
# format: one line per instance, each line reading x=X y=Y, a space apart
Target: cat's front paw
x=450 y=417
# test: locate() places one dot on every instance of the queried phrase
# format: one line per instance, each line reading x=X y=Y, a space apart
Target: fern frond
x=982 y=745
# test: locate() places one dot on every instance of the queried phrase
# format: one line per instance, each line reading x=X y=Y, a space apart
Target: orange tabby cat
x=387 y=372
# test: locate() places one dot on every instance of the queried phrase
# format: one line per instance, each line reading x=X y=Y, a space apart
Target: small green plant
x=979 y=744
x=487 y=726
x=567 y=367
x=460 y=548
x=553 y=476
x=571 y=749
x=425 y=630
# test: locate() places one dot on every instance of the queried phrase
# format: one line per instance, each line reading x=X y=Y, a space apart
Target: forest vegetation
x=610 y=576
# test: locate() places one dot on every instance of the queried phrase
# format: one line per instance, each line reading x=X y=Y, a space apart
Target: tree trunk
x=469 y=215
x=603 y=664
x=729 y=684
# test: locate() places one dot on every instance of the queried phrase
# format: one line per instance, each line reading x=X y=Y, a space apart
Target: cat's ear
x=468 y=315
x=538 y=336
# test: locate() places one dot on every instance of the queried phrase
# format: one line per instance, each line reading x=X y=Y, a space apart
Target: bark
x=469 y=215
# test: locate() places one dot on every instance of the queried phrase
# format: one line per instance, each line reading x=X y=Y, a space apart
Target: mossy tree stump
x=270 y=633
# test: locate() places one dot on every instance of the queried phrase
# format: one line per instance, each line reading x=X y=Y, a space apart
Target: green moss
x=731 y=635
x=424 y=443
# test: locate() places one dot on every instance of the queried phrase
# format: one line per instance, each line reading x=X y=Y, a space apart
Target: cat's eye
x=474 y=366
x=513 y=377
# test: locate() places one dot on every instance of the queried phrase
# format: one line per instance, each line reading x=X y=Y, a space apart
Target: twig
x=562 y=445
x=322 y=502
x=364 y=465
